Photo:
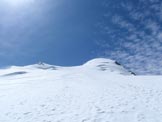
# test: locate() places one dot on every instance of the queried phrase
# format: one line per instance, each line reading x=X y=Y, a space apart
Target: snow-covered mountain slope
x=79 y=94
x=107 y=65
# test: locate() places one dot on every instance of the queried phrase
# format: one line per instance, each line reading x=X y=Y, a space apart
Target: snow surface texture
x=98 y=91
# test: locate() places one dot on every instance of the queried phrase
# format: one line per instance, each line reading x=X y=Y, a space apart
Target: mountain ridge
x=99 y=64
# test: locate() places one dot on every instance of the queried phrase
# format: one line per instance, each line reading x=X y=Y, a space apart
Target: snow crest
x=108 y=65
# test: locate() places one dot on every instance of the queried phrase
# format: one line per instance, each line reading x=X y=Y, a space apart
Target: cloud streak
x=138 y=34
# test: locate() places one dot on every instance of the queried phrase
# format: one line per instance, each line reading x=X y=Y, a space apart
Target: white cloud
x=160 y=36
x=141 y=39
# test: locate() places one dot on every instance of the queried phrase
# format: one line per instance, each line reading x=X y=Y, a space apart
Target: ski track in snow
x=80 y=96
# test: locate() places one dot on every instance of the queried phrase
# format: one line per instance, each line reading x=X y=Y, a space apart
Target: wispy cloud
x=138 y=34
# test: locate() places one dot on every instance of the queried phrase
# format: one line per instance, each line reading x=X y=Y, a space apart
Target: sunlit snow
x=101 y=90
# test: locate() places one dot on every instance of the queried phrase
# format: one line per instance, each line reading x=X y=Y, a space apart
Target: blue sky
x=71 y=32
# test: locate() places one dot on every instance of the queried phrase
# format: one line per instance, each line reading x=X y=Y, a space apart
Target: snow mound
x=107 y=65
x=42 y=66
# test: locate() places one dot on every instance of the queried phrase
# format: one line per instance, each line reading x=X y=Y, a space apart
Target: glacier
x=101 y=90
